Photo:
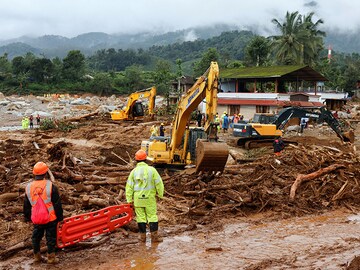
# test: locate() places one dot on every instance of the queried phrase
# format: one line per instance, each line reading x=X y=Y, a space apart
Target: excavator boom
x=189 y=145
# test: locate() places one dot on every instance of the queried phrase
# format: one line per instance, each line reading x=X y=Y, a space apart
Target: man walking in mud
x=142 y=186
x=42 y=206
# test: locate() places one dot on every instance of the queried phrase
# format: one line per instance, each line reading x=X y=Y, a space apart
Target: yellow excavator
x=134 y=109
x=192 y=145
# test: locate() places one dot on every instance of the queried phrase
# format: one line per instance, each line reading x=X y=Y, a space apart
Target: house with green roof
x=250 y=90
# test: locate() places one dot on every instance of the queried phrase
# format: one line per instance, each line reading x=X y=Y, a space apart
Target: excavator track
x=211 y=156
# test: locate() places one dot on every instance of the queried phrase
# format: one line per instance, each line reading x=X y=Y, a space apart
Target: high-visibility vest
x=41 y=188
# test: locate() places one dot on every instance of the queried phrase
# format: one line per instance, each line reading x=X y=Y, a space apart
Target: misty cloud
x=311 y=4
x=71 y=18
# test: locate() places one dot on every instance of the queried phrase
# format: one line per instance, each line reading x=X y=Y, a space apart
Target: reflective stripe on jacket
x=42 y=188
x=142 y=185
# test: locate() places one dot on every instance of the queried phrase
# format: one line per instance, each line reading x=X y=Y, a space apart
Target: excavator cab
x=138 y=109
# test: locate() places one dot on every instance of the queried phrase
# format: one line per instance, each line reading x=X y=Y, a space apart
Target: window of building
x=262 y=109
x=234 y=109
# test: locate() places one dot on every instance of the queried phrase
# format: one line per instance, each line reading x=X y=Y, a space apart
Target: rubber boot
x=142 y=232
x=51 y=258
x=142 y=237
x=155 y=237
x=37 y=257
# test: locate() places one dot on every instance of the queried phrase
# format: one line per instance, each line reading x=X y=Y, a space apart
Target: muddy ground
x=242 y=219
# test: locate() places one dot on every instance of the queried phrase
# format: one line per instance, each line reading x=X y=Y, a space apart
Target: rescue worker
x=31 y=119
x=222 y=118
x=38 y=119
x=278 y=145
x=49 y=193
x=142 y=186
x=154 y=131
x=23 y=123
x=162 y=129
x=199 y=117
x=225 y=123
x=217 y=121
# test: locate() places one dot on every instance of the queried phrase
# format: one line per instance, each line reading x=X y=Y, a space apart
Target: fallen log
x=78 y=118
x=8 y=197
x=15 y=248
x=83 y=188
x=88 y=201
x=87 y=167
x=306 y=177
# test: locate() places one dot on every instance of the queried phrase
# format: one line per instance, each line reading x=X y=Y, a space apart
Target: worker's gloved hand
x=131 y=205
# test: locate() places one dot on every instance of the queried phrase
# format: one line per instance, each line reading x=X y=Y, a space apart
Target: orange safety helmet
x=140 y=155
x=40 y=168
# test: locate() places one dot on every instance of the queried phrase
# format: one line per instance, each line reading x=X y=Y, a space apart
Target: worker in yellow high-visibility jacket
x=142 y=186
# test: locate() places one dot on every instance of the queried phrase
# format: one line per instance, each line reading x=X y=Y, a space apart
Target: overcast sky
x=73 y=17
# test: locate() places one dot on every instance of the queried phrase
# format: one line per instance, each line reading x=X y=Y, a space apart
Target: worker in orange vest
x=42 y=206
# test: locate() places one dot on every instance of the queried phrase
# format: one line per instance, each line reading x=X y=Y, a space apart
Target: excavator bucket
x=349 y=136
x=211 y=156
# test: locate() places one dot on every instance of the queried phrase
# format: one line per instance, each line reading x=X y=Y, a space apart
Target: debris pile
x=303 y=180
x=91 y=164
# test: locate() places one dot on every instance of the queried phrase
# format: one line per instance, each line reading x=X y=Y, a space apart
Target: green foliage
x=48 y=124
x=133 y=79
x=100 y=85
x=163 y=76
x=257 y=51
x=112 y=60
x=300 y=41
x=5 y=65
x=65 y=126
x=343 y=71
x=202 y=66
x=41 y=69
x=73 y=68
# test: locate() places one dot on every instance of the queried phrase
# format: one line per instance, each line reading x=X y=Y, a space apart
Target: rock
x=79 y=101
x=295 y=128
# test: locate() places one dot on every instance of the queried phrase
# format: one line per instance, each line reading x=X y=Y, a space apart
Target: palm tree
x=315 y=43
x=300 y=40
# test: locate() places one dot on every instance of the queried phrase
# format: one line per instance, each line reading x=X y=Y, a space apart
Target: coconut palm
x=315 y=44
x=300 y=40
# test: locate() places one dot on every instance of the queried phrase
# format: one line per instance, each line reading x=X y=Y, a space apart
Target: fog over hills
x=55 y=45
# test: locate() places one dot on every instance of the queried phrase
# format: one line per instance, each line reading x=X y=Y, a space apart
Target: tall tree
x=210 y=55
x=133 y=78
x=257 y=51
x=163 y=77
x=5 y=65
x=41 y=69
x=299 y=42
x=73 y=68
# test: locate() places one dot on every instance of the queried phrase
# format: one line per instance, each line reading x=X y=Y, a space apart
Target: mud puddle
x=328 y=241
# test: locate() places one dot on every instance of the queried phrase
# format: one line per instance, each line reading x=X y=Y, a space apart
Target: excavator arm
x=134 y=109
x=189 y=145
x=204 y=88
x=323 y=116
